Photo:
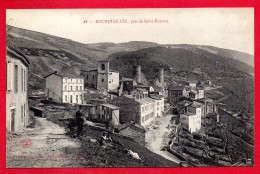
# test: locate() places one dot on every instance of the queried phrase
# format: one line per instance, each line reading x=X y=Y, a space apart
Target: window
x=77 y=98
x=22 y=85
x=102 y=80
x=65 y=87
x=87 y=76
x=66 y=98
x=81 y=88
x=9 y=75
x=77 y=88
x=71 y=88
x=22 y=112
x=24 y=80
x=103 y=67
x=109 y=81
x=70 y=98
x=16 y=78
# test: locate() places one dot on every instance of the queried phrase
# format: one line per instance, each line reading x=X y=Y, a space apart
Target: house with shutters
x=137 y=108
x=64 y=88
x=17 y=113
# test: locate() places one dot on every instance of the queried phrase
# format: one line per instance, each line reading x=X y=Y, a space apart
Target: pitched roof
x=15 y=52
x=88 y=70
x=141 y=101
x=156 y=97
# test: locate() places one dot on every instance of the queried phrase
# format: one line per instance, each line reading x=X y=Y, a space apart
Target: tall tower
x=138 y=74
x=102 y=76
x=161 y=75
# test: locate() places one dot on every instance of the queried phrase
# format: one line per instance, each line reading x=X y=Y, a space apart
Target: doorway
x=12 y=120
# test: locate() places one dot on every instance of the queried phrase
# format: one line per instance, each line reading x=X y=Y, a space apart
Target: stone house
x=17 y=111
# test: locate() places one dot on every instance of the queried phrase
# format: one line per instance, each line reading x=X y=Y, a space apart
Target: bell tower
x=103 y=72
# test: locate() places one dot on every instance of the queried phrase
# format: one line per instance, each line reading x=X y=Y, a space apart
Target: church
x=101 y=78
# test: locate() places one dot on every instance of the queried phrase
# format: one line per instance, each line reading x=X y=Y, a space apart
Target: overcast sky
x=231 y=28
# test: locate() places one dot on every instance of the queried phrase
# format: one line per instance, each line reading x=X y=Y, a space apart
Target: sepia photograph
x=130 y=87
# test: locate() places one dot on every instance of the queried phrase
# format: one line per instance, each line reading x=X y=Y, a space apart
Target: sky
x=231 y=28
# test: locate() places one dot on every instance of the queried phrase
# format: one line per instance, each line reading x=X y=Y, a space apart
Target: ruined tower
x=161 y=75
x=137 y=74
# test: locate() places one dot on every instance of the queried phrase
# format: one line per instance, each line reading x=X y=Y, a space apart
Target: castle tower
x=161 y=75
x=138 y=74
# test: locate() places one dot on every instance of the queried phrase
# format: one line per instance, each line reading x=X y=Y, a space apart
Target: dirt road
x=155 y=138
x=46 y=145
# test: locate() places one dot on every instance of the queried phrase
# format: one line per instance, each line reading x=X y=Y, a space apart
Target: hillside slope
x=179 y=59
x=48 y=53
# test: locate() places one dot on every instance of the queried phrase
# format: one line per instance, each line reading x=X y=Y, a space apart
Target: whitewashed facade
x=191 y=121
x=17 y=112
x=73 y=90
x=158 y=105
x=65 y=89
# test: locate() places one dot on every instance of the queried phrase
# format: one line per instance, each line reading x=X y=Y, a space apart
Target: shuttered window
x=16 y=78
x=22 y=112
x=22 y=79
x=9 y=75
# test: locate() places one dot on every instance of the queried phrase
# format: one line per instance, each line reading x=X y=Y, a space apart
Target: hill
x=180 y=59
x=48 y=53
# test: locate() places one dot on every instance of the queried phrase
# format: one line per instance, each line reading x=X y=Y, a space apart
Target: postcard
x=130 y=88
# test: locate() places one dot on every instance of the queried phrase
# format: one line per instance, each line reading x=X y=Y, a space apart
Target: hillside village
x=130 y=108
x=178 y=121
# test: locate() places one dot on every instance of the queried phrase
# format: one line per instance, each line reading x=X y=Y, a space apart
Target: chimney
x=161 y=75
x=138 y=74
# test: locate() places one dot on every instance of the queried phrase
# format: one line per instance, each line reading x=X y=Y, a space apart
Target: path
x=155 y=138
x=46 y=145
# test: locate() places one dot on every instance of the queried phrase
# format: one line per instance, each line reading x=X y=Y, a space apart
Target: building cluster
x=191 y=104
x=133 y=100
